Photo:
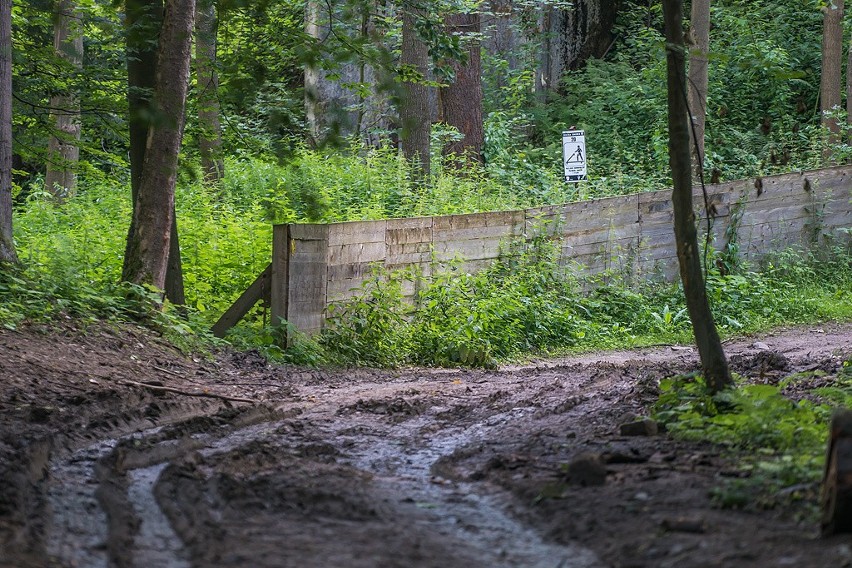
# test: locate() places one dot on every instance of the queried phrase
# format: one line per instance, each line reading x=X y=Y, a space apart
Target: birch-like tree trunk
x=700 y=32
x=63 y=150
x=147 y=254
x=713 y=360
x=207 y=77
x=7 y=242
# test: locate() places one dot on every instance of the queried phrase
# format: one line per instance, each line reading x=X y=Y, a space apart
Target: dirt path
x=362 y=468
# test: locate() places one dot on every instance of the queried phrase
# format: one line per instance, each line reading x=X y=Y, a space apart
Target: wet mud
x=521 y=466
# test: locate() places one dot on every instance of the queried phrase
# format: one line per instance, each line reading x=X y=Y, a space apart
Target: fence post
x=299 y=277
x=280 y=285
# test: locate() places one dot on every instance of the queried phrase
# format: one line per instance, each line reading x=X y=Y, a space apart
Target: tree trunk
x=830 y=77
x=148 y=245
x=461 y=101
x=849 y=94
x=700 y=21
x=713 y=360
x=586 y=31
x=144 y=18
x=210 y=139
x=415 y=123
x=543 y=73
x=7 y=242
x=63 y=150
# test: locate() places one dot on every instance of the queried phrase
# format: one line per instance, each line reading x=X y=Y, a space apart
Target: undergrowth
x=777 y=440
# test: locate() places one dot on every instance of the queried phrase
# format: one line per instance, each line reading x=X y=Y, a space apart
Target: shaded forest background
x=305 y=111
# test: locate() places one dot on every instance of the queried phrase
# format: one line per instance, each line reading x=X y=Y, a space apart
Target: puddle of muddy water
x=156 y=543
x=77 y=534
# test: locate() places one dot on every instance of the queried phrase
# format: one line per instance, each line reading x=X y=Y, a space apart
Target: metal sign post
x=574 y=155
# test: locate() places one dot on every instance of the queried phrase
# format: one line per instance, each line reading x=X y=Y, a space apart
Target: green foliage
x=780 y=442
x=371 y=328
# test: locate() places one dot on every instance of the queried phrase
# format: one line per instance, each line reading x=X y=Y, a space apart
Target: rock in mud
x=586 y=470
x=640 y=427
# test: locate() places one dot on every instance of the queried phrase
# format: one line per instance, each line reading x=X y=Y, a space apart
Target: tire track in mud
x=256 y=488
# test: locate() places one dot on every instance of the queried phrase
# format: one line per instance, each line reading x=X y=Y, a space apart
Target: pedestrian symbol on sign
x=574 y=155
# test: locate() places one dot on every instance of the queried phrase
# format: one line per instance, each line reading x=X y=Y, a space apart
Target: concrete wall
x=314 y=265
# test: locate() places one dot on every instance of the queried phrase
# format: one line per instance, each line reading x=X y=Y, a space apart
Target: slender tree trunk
x=830 y=77
x=700 y=22
x=461 y=101
x=849 y=94
x=210 y=140
x=546 y=36
x=63 y=150
x=713 y=359
x=414 y=117
x=147 y=254
x=7 y=242
x=313 y=108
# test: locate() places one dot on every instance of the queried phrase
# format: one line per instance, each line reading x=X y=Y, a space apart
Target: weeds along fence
x=314 y=265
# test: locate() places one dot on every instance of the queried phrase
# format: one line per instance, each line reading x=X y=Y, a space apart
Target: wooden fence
x=314 y=265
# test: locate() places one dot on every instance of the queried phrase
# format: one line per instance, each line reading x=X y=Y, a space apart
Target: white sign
x=574 y=154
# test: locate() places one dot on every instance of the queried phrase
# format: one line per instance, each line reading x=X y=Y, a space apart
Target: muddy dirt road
x=117 y=451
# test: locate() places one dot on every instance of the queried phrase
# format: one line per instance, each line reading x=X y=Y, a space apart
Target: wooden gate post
x=299 y=277
x=280 y=281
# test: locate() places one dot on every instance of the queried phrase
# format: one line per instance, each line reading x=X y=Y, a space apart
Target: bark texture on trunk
x=830 y=77
x=7 y=242
x=713 y=359
x=849 y=94
x=63 y=150
x=143 y=19
x=700 y=32
x=587 y=31
x=461 y=101
x=210 y=139
x=153 y=215
x=414 y=115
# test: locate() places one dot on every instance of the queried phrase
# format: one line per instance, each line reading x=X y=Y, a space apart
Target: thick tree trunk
x=700 y=23
x=414 y=116
x=461 y=101
x=210 y=140
x=147 y=254
x=63 y=150
x=713 y=360
x=144 y=18
x=830 y=77
x=7 y=242
x=587 y=31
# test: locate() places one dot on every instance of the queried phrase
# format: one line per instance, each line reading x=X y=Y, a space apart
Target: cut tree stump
x=837 y=479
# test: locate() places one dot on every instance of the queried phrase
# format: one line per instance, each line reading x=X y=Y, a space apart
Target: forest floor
x=102 y=465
